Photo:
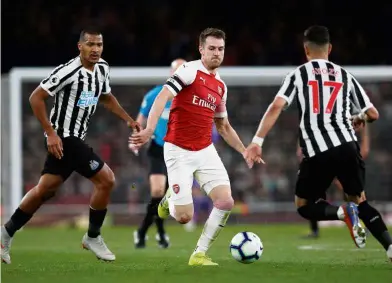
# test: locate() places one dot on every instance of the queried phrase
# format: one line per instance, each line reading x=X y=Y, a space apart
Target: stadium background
x=44 y=33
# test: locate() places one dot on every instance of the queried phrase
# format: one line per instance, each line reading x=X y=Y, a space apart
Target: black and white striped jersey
x=76 y=91
x=325 y=94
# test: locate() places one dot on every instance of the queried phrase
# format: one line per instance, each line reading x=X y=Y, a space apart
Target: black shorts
x=157 y=160
x=317 y=172
x=77 y=156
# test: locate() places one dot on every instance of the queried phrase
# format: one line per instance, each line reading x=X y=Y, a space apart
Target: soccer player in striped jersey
x=324 y=92
x=77 y=87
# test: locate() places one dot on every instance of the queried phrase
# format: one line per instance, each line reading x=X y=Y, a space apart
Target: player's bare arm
x=37 y=102
x=227 y=132
x=111 y=103
x=365 y=142
x=253 y=152
x=140 y=138
x=141 y=119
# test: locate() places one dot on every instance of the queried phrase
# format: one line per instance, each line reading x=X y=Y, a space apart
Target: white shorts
x=183 y=165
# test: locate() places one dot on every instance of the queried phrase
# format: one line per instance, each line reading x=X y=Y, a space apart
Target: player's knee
x=224 y=204
x=300 y=202
x=157 y=191
x=108 y=182
x=46 y=192
x=184 y=217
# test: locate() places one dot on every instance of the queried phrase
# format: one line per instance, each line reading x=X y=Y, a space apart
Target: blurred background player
x=199 y=99
x=77 y=87
x=365 y=147
x=324 y=92
x=158 y=172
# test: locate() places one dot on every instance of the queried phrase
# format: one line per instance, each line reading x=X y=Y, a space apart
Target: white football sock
x=172 y=209
x=215 y=222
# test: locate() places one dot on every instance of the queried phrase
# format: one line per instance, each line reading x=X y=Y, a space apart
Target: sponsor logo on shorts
x=94 y=164
x=176 y=188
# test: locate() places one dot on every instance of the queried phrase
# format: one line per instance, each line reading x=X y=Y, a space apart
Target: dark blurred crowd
x=275 y=182
x=153 y=32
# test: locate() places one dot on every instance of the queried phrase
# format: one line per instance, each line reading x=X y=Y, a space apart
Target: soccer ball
x=246 y=247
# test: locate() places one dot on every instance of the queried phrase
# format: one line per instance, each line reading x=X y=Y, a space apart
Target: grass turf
x=55 y=256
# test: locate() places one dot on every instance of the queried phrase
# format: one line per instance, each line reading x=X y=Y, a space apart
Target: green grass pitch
x=41 y=255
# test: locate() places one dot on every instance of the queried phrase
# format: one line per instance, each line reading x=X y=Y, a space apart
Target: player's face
x=213 y=52
x=91 y=47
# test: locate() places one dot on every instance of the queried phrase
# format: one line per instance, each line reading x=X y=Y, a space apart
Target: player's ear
x=79 y=46
x=201 y=49
x=329 y=48
x=306 y=49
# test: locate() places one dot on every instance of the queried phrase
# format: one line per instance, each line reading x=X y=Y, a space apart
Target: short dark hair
x=214 y=32
x=318 y=35
x=91 y=30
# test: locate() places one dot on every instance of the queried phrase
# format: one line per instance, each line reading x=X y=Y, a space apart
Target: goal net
x=264 y=189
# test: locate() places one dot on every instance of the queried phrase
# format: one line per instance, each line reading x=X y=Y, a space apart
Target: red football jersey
x=199 y=97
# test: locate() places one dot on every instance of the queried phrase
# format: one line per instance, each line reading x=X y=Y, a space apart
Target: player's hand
x=357 y=122
x=252 y=155
x=133 y=148
x=140 y=138
x=55 y=145
x=134 y=125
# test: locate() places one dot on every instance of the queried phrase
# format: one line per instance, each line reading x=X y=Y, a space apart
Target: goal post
x=233 y=76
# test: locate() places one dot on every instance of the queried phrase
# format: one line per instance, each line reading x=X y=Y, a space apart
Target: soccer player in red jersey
x=199 y=99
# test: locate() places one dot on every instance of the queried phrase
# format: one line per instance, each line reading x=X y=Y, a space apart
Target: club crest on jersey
x=87 y=99
x=220 y=91
x=54 y=80
x=176 y=188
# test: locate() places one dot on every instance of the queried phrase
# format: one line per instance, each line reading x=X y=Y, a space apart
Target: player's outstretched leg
x=321 y=210
x=374 y=222
x=92 y=240
x=223 y=204
x=31 y=202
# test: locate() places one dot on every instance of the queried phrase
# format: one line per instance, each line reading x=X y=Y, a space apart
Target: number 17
x=316 y=95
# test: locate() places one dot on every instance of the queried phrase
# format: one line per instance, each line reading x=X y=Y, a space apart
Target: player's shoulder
x=103 y=63
x=189 y=68
x=70 y=65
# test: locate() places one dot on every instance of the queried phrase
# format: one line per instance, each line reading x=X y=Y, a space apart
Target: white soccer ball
x=246 y=247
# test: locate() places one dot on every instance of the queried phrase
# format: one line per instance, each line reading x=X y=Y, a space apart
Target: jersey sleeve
x=184 y=76
x=106 y=89
x=288 y=89
x=57 y=79
x=359 y=96
x=220 y=111
x=148 y=101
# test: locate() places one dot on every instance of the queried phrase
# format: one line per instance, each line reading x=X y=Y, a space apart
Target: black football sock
x=314 y=227
x=320 y=210
x=96 y=220
x=152 y=208
x=373 y=221
x=17 y=221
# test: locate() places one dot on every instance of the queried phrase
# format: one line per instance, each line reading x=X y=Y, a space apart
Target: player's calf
x=103 y=185
x=223 y=204
x=374 y=222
